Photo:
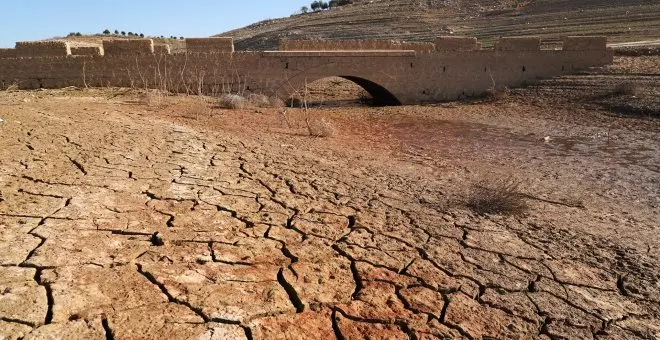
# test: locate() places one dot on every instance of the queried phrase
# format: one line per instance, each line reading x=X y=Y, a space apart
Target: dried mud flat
x=120 y=220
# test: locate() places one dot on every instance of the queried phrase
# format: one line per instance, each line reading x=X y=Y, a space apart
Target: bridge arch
x=381 y=96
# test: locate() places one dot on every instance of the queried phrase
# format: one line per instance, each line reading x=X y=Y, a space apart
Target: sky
x=22 y=20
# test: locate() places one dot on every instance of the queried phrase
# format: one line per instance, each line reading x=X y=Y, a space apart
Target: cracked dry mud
x=120 y=223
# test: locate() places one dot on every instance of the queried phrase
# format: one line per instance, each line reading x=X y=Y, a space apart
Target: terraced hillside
x=422 y=20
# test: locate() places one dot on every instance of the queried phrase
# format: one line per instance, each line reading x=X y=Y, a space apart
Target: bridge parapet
x=8 y=53
x=35 y=49
x=452 y=43
x=128 y=46
x=585 y=43
x=210 y=45
x=518 y=44
x=87 y=50
x=353 y=45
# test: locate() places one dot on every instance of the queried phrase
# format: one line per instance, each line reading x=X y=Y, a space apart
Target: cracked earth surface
x=125 y=225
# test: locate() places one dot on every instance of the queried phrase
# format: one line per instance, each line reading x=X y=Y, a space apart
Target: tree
x=116 y=32
x=123 y=33
x=181 y=38
x=304 y=9
x=141 y=35
x=316 y=6
x=78 y=34
x=130 y=34
x=106 y=32
x=324 y=5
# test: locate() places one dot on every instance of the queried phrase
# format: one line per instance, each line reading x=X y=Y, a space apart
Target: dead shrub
x=153 y=98
x=627 y=88
x=497 y=196
x=496 y=94
x=231 y=101
x=320 y=128
x=258 y=100
x=276 y=102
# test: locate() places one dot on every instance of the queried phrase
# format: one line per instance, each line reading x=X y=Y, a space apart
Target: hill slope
x=422 y=20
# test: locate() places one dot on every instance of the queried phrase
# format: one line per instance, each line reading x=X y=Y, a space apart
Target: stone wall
x=7 y=53
x=585 y=43
x=128 y=46
x=518 y=44
x=34 y=49
x=452 y=43
x=210 y=45
x=162 y=49
x=87 y=50
x=352 y=45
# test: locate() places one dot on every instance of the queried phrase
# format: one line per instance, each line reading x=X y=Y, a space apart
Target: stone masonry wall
x=585 y=43
x=451 y=43
x=7 y=53
x=518 y=44
x=128 y=46
x=33 y=49
x=87 y=50
x=352 y=45
x=210 y=45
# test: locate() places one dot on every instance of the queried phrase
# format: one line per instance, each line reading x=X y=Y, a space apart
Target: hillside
x=422 y=20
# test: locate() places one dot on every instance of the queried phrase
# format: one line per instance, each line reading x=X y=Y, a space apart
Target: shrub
x=497 y=196
x=626 y=88
x=231 y=101
x=320 y=128
x=258 y=100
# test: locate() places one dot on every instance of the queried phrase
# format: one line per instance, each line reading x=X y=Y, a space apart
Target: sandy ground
x=122 y=220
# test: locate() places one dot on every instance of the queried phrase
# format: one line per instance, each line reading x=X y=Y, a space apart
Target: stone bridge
x=392 y=72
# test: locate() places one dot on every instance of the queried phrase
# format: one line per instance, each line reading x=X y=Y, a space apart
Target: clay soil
x=121 y=219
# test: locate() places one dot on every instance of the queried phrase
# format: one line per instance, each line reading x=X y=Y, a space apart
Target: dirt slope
x=420 y=20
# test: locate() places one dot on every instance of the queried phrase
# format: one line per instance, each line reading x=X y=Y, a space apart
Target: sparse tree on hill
x=123 y=33
x=116 y=31
x=141 y=35
x=106 y=32
x=181 y=38
x=304 y=9
x=316 y=6
x=324 y=5
x=78 y=34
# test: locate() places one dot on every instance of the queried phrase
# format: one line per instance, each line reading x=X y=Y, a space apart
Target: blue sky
x=40 y=19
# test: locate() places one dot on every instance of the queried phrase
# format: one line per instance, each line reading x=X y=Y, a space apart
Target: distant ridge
x=423 y=20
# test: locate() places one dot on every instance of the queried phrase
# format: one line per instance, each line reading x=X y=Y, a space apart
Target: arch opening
x=345 y=91
x=380 y=95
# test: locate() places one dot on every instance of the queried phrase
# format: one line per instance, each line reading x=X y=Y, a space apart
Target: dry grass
x=320 y=128
x=497 y=196
x=232 y=101
x=627 y=88
x=12 y=87
x=198 y=107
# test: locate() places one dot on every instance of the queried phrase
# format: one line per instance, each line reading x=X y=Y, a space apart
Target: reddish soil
x=125 y=220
